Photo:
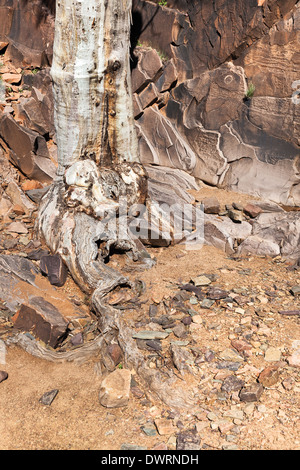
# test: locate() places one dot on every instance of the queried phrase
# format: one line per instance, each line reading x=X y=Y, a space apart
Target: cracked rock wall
x=206 y=121
x=193 y=65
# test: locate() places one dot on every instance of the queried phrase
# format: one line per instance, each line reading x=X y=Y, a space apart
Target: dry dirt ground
x=76 y=420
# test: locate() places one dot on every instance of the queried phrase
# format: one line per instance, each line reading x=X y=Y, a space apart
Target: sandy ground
x=76 y=420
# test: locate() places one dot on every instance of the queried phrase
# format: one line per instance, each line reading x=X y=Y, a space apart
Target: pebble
x=232 y=384
x=149 y=334
x=295 y=290
x=149 y=430
x=272 y=355
x=48 y=397
x=251 y=393
x=17 y=227
x=269 y=376
x=231 y=355
x=164 y=426
x=3 y=375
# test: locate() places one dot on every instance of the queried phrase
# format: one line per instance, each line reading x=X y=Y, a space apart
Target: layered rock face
x=231 y=118
x=216 y=91
x=27 y=31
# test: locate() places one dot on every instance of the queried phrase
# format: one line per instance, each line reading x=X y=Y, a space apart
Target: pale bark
x=98 y=161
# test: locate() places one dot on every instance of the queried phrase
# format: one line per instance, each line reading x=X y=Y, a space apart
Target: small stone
x=201 y=281
x=211 y=205
x=234 y=414
x=207 y=303
x=231 y=355
x=180 y=330
x=17 y=227
x=149 y=430
x=252 y=211
x=251 y=393
x=77 y=339
x=3 y=375
x=150 y=335
x=232 y=384
x=294 y=359
x=48 y=397
x=269 y=376
x=295 y=290
x=215 y=293
x=188 y=440
x=225 y=426
x=55 y=269
x=153 y=310
x=272 y=355
x=115 y=389
x=197 y=319
x=187 y=320
x=235 y=216
x=126 y=446
x=164 y=426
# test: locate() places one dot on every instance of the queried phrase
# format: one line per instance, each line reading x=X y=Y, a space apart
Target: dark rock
x=154 y=344
x=232 y=384
x=153 y=310
x=188 y=440
x=251 y=393
x=43 y=320
x=196 y=290
x=211 y=205
x=187 y=320
x=3 y=375
x=215 y=293
x=54 y=268
x=36 y=194
x=48 y=397
x=29 y=33
x=168 y=77
x=180 y=330
x=233 y=366
x=252 y=210
x=27 y=150
x=37 y=254
x=148 y=96
x=115 y=353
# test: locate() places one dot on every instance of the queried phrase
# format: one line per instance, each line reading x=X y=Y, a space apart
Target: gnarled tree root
x=75 y=236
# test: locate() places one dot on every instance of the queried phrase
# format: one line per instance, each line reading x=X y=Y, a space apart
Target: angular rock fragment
x=43 y=320
x=251 y=393
x=48 y=397
x=188 y=440
x=54 y=268
x=3 y=375
x=232 y=384
x=27 y=150
x=115 y=389
x=211 y=205
x=269 y=376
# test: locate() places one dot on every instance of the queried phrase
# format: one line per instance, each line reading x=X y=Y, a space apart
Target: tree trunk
x=99 y=177
x=98 y=161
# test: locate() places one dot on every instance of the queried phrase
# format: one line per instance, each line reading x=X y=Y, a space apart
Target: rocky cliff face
x=234 y=106
x=216 y=87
